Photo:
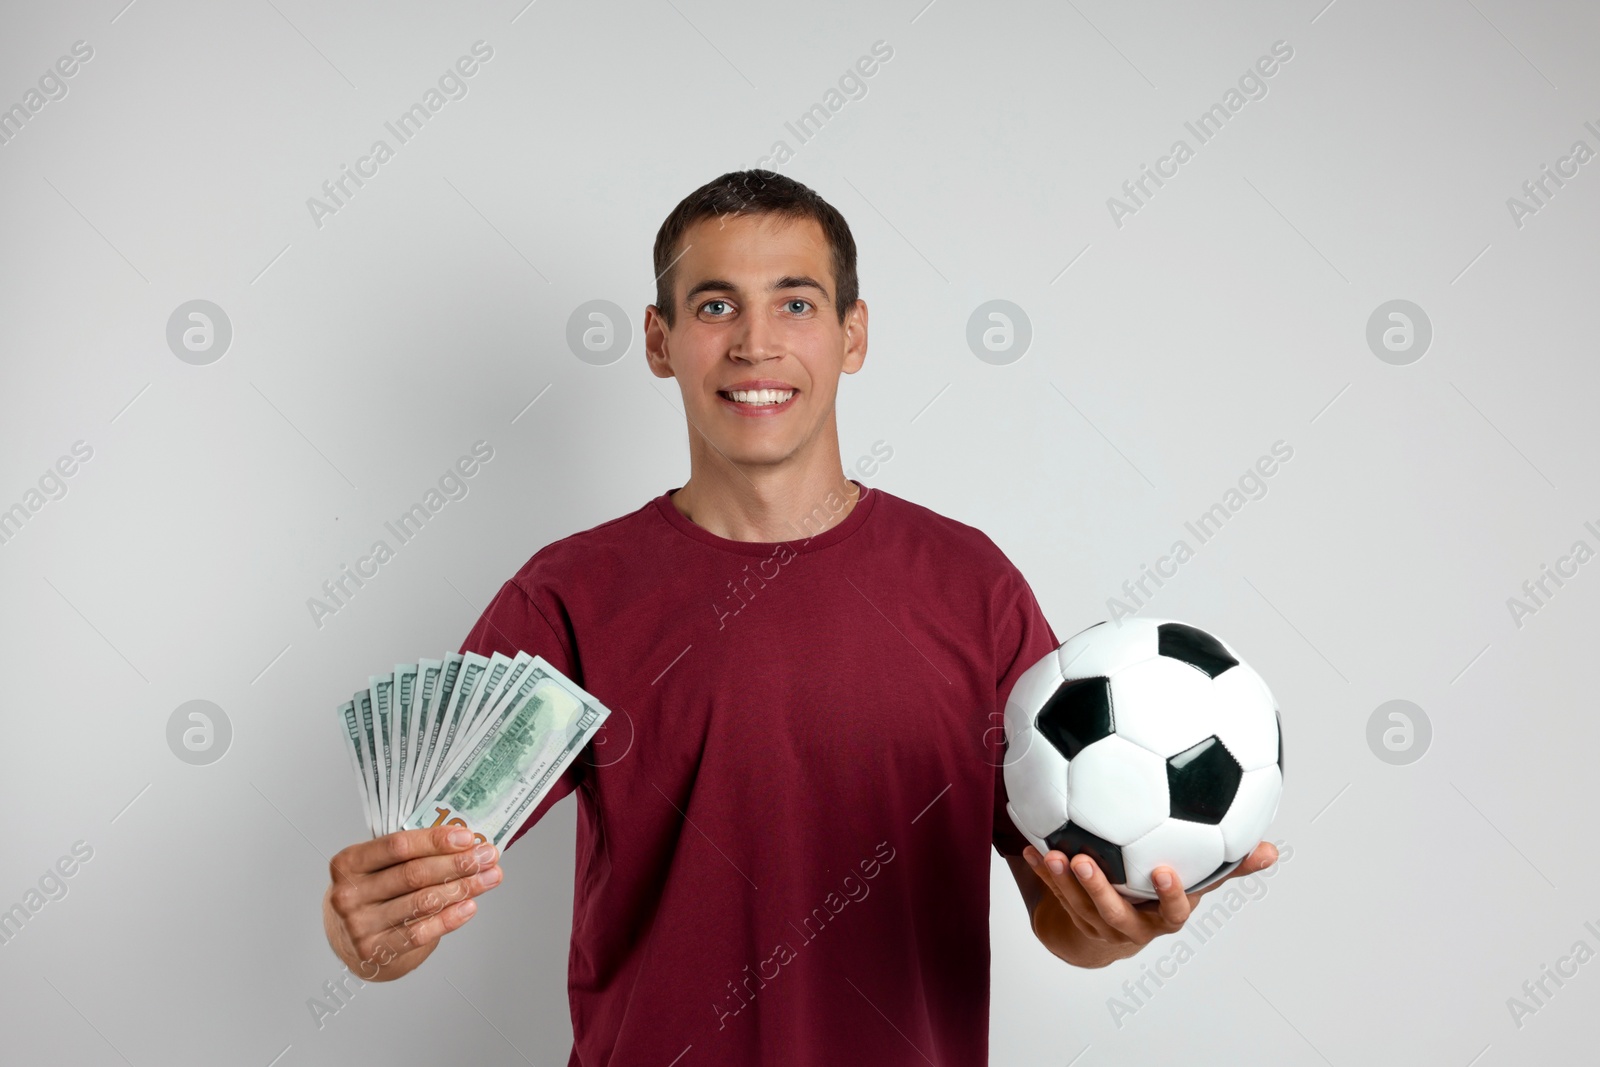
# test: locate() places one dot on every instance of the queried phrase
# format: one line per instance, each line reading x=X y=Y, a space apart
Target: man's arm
x=1087 y=923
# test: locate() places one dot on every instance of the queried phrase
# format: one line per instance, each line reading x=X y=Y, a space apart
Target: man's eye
x=798 y=306
x=715 y=307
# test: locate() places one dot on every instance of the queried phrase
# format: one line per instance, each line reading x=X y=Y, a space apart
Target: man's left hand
x=1112 y=926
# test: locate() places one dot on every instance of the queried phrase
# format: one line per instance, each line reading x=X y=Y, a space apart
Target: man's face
x=755 y=310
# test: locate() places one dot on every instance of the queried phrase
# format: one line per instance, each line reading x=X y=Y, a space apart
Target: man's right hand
x=391 y=899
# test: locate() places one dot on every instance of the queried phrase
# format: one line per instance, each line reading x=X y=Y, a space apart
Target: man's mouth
x=759 y=397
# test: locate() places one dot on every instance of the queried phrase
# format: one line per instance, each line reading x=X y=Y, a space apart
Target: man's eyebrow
x=800 y=281
x=710 y=285
x=789 y=281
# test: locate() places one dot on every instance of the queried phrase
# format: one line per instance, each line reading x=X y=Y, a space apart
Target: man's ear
x=855 y=337
x=656 y=352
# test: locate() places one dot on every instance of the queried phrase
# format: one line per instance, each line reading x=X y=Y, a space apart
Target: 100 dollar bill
x=513 y=758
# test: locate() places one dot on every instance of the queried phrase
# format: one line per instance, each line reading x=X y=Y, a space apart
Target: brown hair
x=756 y=192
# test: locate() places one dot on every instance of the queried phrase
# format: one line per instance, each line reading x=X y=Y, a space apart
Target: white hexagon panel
x=1118 y=790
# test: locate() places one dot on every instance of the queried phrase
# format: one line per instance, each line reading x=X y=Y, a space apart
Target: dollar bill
x=488 y=691
x=503 y=692
x=362 y=700
x=350 y=729
x=381 y=686
x=361 y=704
x=500 y=667
x=516 y=684
x=405 y=691
x=514 y=757
x=427 y=682
x=473 y=667
x=433 y=730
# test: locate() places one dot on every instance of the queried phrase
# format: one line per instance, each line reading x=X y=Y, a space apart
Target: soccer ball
x=1145 y=744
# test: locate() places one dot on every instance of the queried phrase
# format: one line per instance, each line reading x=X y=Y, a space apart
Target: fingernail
x=1056 y=865
x=1163 y=880
x=460 y=839
x=1084 y=871
x=491 y=877
x=468 y=906
x=1032 y=858
x=484 y=855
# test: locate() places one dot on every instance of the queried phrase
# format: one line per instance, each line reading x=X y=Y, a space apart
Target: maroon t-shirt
x=784 y=828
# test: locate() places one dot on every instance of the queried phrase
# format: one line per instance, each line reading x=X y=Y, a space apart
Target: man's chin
x=747 y=458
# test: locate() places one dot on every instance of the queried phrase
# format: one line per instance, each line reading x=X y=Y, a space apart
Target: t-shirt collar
x=865 y=501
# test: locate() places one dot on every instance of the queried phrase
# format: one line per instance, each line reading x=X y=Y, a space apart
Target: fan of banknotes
x=465 y=740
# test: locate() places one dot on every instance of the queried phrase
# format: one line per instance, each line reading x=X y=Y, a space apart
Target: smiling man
x=784 y=831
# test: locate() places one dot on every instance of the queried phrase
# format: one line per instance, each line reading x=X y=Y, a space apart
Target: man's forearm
x=1057 y=932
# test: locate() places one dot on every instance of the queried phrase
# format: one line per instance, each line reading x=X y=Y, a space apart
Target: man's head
x=752 y=193
x=757 y=317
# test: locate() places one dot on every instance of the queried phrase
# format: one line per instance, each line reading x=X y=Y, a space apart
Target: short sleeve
x=1024 y=639
x=513 y=623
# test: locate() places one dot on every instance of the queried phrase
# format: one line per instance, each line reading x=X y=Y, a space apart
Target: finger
x=430 y=928
x=1263 y=856
x=1112 y=909
x=1174 y=905
x=394 y=882
x=1049 y=878
x=380 y=950
x=398 y=847
x=423 y=903
x=1053 y=870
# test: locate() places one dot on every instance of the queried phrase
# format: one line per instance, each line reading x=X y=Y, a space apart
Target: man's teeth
x=760 y=396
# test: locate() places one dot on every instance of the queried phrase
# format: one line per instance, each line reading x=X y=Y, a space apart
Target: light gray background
x=1230 y=312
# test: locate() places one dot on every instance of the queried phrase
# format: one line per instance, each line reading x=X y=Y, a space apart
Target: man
x=783 y=842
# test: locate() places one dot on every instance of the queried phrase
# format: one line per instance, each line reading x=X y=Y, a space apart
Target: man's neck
x=766 y=506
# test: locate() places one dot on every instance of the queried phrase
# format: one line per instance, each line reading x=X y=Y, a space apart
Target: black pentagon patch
x=1202 y=781
x=1223 y=868
x=1195 y=647
x=1077 y=714
x=1072 y=839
